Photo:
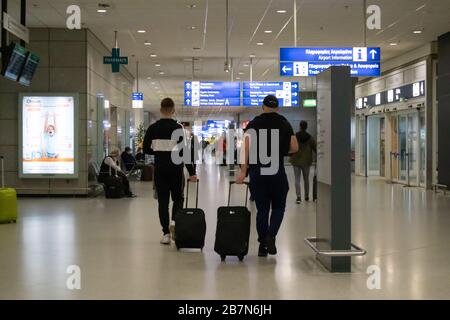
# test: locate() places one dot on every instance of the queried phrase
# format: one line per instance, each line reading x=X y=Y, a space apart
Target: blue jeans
x=269 y=192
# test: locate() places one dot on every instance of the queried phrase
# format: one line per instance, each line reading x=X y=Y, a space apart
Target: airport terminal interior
x=83 y=81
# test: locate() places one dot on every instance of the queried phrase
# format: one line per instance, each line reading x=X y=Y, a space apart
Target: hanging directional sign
x=115 y=60
x=138 y=100
x=286 y=92
x=309 y=62
x=219 y=94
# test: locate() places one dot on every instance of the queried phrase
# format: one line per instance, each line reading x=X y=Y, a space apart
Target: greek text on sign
x=307 y=62
x=215 y=94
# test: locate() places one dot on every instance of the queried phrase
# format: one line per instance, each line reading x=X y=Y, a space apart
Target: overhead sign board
x=309 y=62
x=16 y=28
x=214 y=94
x=286 y=92
x=401 y=94
x=138 y=100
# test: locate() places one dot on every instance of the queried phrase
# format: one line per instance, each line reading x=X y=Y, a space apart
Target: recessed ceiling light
x=418 y=31
x=267 y=31
x=393 y=43
x=281 y=11
x=245 y=65
x=102 y=10
x=153 y=55
x=192 y=6
x=149 y=78
x=153 y=83
x=161 y=72
x=241 y=73
x=148 y=43
x=252 y=56
x=192 y=28
x=238 y=78
x=260 y=43
x=142 y=31
x=157 y=65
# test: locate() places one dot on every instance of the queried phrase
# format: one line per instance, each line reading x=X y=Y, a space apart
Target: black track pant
x=169 y=183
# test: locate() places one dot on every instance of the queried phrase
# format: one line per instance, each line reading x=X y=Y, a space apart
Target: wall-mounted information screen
x=48 y=136
x=29 y=69
x=13 y=62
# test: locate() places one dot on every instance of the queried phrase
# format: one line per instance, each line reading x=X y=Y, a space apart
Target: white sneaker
x=172 y=230
x=165 y=239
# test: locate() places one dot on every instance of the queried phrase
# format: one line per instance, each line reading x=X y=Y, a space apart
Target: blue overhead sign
x=309 y=62
x=138 y=96
x=214 y=94
x=286 y=92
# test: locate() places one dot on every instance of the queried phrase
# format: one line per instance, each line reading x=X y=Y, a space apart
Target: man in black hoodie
x=169 y=176
x=303 y=159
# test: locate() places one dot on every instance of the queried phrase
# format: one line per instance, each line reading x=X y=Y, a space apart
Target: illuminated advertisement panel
x=48 y=136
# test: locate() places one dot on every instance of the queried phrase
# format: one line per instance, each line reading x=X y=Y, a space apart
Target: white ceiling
x=168 y=22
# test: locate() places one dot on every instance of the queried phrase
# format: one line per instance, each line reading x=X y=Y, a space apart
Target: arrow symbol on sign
x=188 y=93
x=295 y=102
x=373 y=52
x=286 y=69
x=294 y=86
x=294 y=94
x=188 y=101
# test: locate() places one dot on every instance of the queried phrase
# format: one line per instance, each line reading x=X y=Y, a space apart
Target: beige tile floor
x=116 y=244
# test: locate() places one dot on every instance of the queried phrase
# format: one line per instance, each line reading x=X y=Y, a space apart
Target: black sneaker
x=307 y=199
x=271 y=248
x=262 y=252
x=299 y=200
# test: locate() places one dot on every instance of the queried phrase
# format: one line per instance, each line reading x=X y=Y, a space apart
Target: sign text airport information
x=309 y=62
x=218 y=94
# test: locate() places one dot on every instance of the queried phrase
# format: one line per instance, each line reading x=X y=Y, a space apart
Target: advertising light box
x=286 y=93
x=309 y=62
x=214 y=94
x=48 y=132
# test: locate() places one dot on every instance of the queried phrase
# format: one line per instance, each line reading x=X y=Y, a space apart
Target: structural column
x=443 y=97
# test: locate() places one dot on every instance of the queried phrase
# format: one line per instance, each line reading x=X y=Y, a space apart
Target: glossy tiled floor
x=116 y=245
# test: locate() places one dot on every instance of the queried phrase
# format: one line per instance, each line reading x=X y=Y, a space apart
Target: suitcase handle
x=187 y=193
x=2 y=159
x=246 y=192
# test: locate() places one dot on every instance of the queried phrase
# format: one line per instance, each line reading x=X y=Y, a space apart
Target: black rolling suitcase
x=113 y=186
x=190 y=225
x=233 y=229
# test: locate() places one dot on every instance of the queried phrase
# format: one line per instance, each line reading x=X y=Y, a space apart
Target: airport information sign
x=255 y=92
x=309 y=62
x=214 y=94
x=138 y=100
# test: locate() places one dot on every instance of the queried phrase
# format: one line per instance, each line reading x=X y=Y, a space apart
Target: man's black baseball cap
x=271 y=102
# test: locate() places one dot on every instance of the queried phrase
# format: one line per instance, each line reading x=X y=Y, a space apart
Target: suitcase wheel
x=223 y=257
x=241 y=258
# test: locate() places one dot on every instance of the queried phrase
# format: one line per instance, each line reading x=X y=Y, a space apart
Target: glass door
x=362 y=146
x=406 y=147
x=402 y=146
x=422 y=146
x=413 y=149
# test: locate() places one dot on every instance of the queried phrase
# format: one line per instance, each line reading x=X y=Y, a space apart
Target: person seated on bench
x=110 y=166
x=129 y=162
x=140 y=156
